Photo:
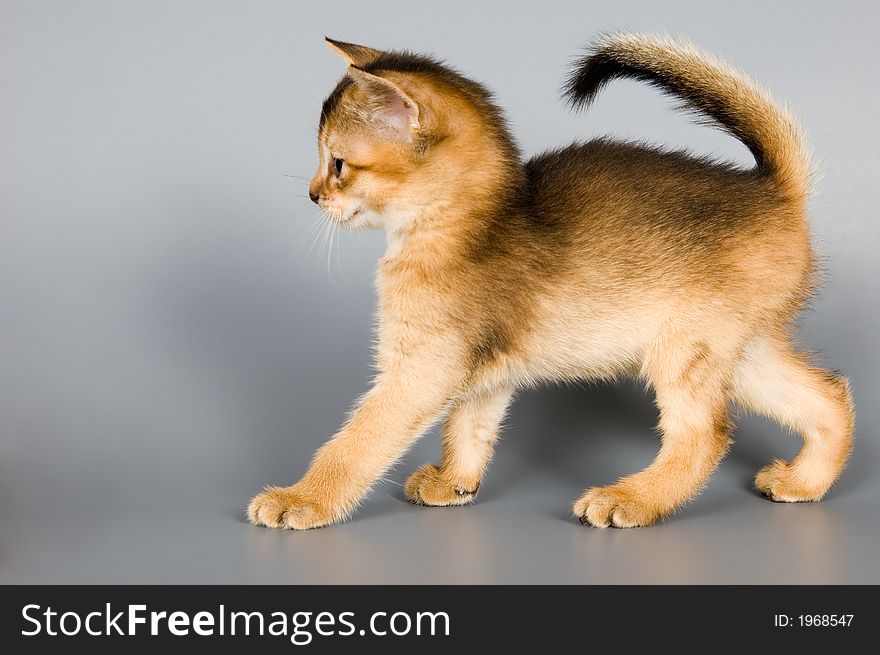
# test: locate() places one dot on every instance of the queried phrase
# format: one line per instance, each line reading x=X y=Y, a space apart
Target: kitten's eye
x=338 y=164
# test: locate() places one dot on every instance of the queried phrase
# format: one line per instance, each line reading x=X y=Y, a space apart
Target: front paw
x=286 y=508
x=430 y=486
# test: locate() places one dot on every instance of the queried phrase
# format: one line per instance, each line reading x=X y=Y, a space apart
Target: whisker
x=311 y=237
x=330 y=250
x=321 y=226
x=333 y=231
x=313 y=231
x=338 y=250
x=325 y=233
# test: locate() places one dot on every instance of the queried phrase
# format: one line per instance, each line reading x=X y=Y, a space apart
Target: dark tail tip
x=596 y=69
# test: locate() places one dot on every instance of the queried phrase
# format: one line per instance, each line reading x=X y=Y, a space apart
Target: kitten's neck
x=447 y=229
x=394 y=238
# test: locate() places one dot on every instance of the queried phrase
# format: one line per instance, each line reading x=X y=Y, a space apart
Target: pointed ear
x=354 y=55
x=388 y=103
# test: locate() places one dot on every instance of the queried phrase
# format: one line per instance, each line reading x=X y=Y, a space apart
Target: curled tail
x=731 y=100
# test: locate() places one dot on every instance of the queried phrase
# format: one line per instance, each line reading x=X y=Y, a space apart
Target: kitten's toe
x=614 y=506
x=429 y=486
x=285 y=508
x=780 y=482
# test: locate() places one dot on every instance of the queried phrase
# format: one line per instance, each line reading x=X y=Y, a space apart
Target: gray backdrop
x=168 y=344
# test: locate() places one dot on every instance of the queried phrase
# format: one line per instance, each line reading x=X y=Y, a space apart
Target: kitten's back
x=643 y=190
x=641 y=217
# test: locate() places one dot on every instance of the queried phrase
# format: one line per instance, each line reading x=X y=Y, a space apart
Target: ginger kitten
x=588 y=262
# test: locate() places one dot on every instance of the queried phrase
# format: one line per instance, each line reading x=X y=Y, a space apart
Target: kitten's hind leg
x=469 y=437
x=690 y=383
x=774 y=380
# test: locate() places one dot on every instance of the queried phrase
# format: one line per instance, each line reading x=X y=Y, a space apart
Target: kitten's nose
x=313 y=196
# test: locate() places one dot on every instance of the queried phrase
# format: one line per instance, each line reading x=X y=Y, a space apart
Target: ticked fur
x=592 y=261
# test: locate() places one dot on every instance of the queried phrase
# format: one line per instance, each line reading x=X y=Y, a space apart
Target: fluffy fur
x=592 y=261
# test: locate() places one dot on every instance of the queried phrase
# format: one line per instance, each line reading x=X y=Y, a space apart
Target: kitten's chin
x=363 y=218
x=356 y=219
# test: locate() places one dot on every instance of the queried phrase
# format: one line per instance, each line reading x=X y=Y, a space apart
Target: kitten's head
x=402 y=135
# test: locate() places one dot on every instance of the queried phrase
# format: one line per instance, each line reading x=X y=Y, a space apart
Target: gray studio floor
x=152 y=488
x=518 y=532
x=170 y=342
x=172 y=511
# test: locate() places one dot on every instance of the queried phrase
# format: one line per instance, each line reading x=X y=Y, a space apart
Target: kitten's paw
x=286 y=508
x=616 y=506
x=429 y=486
x=779 y=481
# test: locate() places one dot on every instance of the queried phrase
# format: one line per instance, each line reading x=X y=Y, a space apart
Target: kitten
x=588 y=262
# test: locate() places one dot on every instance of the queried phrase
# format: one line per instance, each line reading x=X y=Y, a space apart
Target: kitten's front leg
x=404 y=402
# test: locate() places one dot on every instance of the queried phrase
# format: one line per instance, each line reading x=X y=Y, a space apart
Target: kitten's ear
x=353 y=54
x=388 y=103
